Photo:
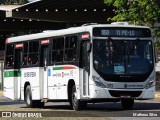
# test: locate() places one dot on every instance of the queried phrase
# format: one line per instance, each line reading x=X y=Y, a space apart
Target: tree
x=138 y=12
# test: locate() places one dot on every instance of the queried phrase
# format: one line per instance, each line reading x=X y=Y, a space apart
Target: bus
x=80 y=65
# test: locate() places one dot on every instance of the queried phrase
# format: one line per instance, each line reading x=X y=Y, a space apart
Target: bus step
x=44 y=100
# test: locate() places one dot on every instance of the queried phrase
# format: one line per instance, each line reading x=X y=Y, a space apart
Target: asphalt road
x=140 y=111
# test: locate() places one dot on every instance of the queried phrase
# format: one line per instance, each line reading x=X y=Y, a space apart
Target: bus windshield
x=122 y=57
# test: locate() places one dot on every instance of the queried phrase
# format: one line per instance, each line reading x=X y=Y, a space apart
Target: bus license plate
x=125 y=96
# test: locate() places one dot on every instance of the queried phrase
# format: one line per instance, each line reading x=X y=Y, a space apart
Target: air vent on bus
x=90 y=24
x=45 y=31
x=119 y=23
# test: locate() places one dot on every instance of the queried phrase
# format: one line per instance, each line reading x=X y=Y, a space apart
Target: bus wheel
x=28 y=99
x=75 y=102
x=83 y=104
x=127 y=104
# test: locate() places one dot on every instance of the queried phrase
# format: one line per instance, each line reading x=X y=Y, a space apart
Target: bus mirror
x=89 y=47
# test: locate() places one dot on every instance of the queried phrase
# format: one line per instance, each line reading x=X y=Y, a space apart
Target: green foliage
x=157 y=46
x=138 y=12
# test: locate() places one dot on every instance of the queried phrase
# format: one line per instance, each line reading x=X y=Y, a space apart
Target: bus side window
x=9 y=56
x=53 y=53
x=25 y=60
x=25 y=55
x=70 y=48
x=33 y=53
x=57 y=49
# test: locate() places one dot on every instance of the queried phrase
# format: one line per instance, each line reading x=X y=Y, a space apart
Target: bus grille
x=115 y=93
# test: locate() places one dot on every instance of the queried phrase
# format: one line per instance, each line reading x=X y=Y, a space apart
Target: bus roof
x=72 y=30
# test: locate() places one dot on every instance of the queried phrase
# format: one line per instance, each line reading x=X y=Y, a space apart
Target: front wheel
x=28 y=99
x=127 y=104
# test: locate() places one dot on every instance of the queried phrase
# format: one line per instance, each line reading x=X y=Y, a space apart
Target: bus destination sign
x=121 y=32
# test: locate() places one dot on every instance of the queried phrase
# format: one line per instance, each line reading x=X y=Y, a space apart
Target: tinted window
x=9 y=56
x=31 y=53
x=57 y=49
x=70 y=48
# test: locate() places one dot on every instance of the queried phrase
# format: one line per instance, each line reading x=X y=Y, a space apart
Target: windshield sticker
x=118 y=69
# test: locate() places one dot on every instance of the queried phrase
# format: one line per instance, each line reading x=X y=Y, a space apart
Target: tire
x=28 y=99
x=76 y=104
x=83 y=104
x=127 y=104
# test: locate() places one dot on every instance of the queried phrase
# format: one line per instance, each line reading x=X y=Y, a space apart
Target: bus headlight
x=151 y=82
x=98 y=82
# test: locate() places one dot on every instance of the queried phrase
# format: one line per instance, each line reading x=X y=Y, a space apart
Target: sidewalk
x=157 y=95
x=1 y=93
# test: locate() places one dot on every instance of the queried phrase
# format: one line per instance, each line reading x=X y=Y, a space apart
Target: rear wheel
x=75 y=102
x=127 y=104
x=28 y=99
x=83 y=104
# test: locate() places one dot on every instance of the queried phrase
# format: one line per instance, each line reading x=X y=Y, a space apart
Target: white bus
x=87 y=64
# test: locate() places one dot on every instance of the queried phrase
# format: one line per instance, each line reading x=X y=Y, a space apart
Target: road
x=140 y=110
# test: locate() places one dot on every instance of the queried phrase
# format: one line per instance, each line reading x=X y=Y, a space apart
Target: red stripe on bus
x=68 y=67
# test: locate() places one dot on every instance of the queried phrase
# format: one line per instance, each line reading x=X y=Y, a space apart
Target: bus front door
x=17 y=73
x=84 y=69
x=44 y=71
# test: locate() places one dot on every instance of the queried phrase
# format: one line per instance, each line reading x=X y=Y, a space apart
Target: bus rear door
x=17 y=71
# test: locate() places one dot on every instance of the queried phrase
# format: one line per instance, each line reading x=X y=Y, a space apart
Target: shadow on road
x=101 y=107
x=10 y=103
x=107 y=107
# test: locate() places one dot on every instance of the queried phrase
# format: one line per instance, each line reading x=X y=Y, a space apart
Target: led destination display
x=121 y=32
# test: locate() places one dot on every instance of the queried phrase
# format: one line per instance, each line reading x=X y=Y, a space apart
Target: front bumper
x=97 y=92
